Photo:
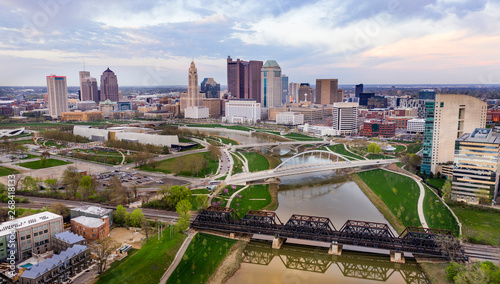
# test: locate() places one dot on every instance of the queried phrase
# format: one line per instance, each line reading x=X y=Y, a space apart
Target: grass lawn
x=437 y=182
x=26 y=141
x=480 y=226
x=149 y=263
x=7 y=171
x=398 y=192
x=202 y=257
x=184 y=165
x=200 y=191
x=414 y=147
x=399 y=148
x=37 y=165
x=339 y=148
x=436 y=272
x=437 y=214
x=256 y=161
x=237 y=166
x=260 y=195
x=372 y=156
x=301 y=137
x=228 y=141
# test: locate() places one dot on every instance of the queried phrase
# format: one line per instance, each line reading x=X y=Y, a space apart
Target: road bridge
x=417 y=240
x=269 y=144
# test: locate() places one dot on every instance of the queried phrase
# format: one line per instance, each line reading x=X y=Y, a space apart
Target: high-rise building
x=82 y=75
x=306 y=93
x=109 y=86
x=447 y=118
x=293 y=91
x=327 y=92
x=194 y=98
x=359 y=90
x=271 y=84
x=57 y=93
x=244 y=78
x=345 y=118
x=242 y=111
x=210 y=88
x=284 y=86
x=475 y=167
x=427 y=94
x=89 y=90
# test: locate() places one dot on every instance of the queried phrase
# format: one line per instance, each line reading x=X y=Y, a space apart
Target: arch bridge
x=310 y=159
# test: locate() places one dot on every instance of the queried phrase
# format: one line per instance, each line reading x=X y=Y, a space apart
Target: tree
x=118 y=193
x=59 y=208
x=202 y=201
x=146 y=227
x=22 y=149
x=86 y=186
x=153 y=164
x=136 y=218
x=165 y=150
x=102 y=249
x=446 y=190
x=173 y=195
x=30 y=183
x=71 y=178
x=183 y=208
x=214 y=150
x=52 y=183
x=374 y=148
x=4 y=214
x=120 y=216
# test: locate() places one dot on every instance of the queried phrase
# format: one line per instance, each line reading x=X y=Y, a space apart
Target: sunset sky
x=153 y=42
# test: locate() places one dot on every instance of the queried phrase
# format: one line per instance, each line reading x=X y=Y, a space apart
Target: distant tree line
x=64 y=136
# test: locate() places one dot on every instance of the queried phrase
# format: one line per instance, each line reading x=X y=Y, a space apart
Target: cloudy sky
x=153 y=42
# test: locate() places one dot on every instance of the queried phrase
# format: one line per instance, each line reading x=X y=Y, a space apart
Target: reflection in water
x=317 y=260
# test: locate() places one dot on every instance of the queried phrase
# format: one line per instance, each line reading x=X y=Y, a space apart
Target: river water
x=326 y=194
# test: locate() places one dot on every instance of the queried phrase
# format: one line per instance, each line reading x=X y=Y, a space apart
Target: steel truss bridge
x=434 y=242
x=350 y=264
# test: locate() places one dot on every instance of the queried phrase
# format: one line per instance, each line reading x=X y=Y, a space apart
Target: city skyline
x=150 y=43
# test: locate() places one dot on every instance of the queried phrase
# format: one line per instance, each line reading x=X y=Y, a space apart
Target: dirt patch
x=129 y=237
x=230 y=264
x=273 y=190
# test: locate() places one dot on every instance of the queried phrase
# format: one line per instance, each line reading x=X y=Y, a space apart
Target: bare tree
x=102 y=249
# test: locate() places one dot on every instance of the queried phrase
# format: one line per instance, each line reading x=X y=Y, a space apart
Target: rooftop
x=88 y=221
x=69 y=237
x=481 y=135
x=92 y=210
x=39 y=269
x=271 y=63
x=6 y=227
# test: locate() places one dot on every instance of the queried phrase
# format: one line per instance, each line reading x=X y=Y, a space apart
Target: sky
x=152 y=42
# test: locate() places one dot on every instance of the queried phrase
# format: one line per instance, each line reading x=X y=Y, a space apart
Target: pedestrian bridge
x=306 y=162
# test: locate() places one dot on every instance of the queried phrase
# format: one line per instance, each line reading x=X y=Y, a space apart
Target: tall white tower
x=57 y=93
x=193 y=91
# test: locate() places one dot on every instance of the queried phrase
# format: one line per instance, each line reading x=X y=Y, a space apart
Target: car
x=139 y=181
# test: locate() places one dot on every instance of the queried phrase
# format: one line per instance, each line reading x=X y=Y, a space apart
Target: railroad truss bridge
x=417 y=240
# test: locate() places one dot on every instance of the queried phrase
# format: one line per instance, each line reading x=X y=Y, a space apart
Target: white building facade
x=242 y=111
x=345 y=118
x=416 y=125
x=290 y=118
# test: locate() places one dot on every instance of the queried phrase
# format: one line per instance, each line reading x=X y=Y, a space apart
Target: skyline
x=152 y=43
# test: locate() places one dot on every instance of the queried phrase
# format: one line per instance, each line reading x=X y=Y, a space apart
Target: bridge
x=269 y=144
x=434 y=242
x=304 y=163
x=350 y=264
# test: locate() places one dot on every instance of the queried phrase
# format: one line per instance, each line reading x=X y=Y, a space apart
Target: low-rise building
x=33 y=234
x=375 y=128
x=58 y=268
x=401 y=122
x=92 y=211
x=196 y=112
x=242 y=111
x=289 y=118
x=107 y=107
x=90 y=228
x=475 y=166
x=65 y=240
x=82 y=116
x=416 y=125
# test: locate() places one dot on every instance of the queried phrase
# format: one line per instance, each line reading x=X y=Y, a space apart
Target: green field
x=480 y=226
x=149 y=263
x=244 y=204
x=202 y=257
x=228 y=141
x=437 y=182
x=399 y=148
x=7 y=171
x=372 y=156
x=106 y=157
x=50 y=163
x=256 y=162
x=339 y=148
x=301 y=137
x=414 y=148
x=173 y=165
x=238 y=165
x=200 y=191
x=399 y=193
x=25 y=141
x=437 y=214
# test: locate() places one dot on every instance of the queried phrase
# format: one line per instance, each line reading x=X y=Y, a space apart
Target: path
x=234 y=194
x=355 y=155
x=178 y=258
x=420 y=206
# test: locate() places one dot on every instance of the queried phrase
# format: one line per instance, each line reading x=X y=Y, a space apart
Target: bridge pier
x=335 y=249
x=278 y=242
x=397 y=256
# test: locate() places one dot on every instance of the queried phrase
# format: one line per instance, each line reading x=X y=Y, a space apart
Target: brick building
x=375 y=128
x=90 y=228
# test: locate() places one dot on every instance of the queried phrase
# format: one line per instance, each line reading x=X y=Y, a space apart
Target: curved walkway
x=178 y=258
x=234 y=194
x=347 y=149
x=420 y=205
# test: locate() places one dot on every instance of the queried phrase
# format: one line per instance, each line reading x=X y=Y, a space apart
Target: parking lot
x=130 y=179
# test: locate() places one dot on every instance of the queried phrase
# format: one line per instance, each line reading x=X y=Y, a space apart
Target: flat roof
x=88 y=221
x=92 y=210
x=28 y=221
x=481 y=135
x=69 y=237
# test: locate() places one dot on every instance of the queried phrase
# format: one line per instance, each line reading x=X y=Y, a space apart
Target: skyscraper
x=293 y=91
x=244 y=78
x=306 y=93
x=82 y=75
x=109 y=86
x=327 y=92
x=271 y=84
x=284 y=86
x=345 y=118
x=194 y=98
x=88 y=90
x=210 y=88
x=57 y=93
x=448 y=118
x=359 y=90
